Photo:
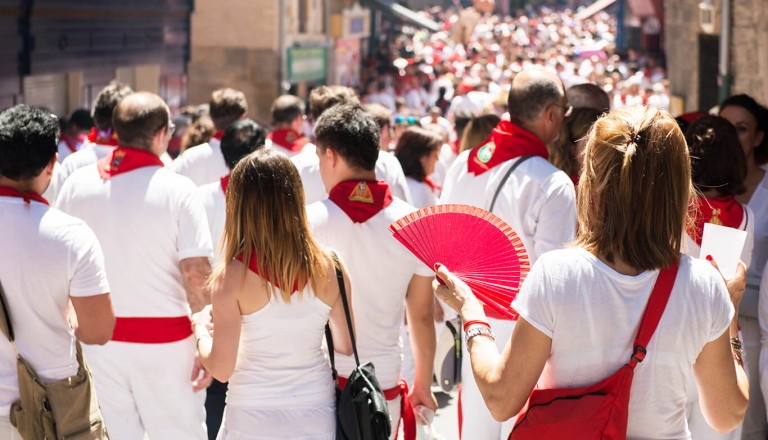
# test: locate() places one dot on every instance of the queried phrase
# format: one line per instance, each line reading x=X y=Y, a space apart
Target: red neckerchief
x=507 y=141
x=71 y=143
x=724 y=211
x=455 y=146
x=254 y=267
x=288 y=139
x=6 y=191
x=361 y=199
x=123 y=159
x=218 y=135
x=103 y=137
x=431 y=183
x=225 y=182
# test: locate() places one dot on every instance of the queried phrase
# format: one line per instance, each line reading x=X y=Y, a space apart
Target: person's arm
x=505 y=381
x=93 y=319
x=194 y=274
x=217 y=349
x=419 y=308
x=342 y=342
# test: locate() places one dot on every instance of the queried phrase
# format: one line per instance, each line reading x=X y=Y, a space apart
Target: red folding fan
x=477 y=246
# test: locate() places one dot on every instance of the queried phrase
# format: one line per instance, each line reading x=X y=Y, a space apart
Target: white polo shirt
x=538 y=200
x=147 y=221
x=387 y=168
x=380 y=269
x=214 y=202
x=203 y=163
x=47 y=257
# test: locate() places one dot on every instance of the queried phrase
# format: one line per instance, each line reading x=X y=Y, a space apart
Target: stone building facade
x=692 y=55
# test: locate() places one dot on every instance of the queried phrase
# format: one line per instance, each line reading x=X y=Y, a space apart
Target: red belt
x=153 y=330
x=406 y=410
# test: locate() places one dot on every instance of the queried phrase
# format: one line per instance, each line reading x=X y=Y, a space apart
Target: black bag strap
x=328 y=336
x=5 y=317
x=505 y=178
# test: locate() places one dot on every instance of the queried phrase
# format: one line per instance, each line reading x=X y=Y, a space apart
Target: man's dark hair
x=286 y=108
x=240 y=139
x=717 y=159
x=138 y=117
x=352 y=133
x=82 y=119
x=106 y=102
x=527 y=102
x=227 y=106
x=29 y=138
x=324 y=97
x=381 y=114
x=588 y=95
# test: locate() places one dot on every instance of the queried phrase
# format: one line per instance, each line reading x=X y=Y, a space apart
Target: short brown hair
x=286 y=108
x=227 y=106
x=634 y=189
x=106 y=102
x=138 y=117
x=562 y=151
x=381 y=114
x=717 y=159
x=415 y=143
x=324 y=97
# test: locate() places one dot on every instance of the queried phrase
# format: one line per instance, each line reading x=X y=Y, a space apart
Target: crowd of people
x=200 y=282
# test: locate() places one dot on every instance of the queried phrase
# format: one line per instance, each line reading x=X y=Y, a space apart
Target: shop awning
x=593 y=9
x=404 y=14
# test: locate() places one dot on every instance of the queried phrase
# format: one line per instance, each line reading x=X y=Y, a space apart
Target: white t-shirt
x=203 y=163
x=47 y=257
x=423 y=195
x=387 y=168
x=380 y=269
x=214 y=202
x=309 y=148
x=538 y=201
x=148 y=220
x=592 y=314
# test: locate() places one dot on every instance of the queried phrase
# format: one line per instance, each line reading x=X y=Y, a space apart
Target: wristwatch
x=478 y=330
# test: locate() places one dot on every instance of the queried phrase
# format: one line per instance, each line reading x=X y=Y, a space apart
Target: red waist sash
x=154 y=330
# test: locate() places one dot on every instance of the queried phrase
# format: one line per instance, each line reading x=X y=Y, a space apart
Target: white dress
x=282 y=387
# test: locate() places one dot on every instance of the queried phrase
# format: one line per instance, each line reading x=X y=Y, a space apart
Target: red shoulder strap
x=653 y=311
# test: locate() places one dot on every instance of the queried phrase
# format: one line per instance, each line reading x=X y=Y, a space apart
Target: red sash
x=254 y=267
x=724 y=211
x=507 y=141
x=6 y=191
x=124 y=159
x=154 y=330
x=406 y=409
x=288 y=139
x=361 y=199
x=225 y=183
x=103 y=137
x=431 y=183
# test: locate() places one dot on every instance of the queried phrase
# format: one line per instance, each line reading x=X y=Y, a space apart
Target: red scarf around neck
x=431 y=183
x=107 y=137
x=254 y=267
x=218 y=135
x=361 y=199
x=124 y=159
x=6 y=191
x=506 y=142
x=225 y=183
x=724 y=211
x=288 y=139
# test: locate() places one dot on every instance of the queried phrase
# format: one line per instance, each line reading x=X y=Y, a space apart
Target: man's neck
x=354 y=174
x=531 y=127
x=22 y=186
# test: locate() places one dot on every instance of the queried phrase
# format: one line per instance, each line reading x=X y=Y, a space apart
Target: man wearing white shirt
x=288 y=121
x=205 y=163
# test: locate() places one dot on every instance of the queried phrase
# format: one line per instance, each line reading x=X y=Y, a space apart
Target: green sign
x=306 y=64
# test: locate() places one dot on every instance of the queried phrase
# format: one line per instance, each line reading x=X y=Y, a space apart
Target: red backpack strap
x=653 y=311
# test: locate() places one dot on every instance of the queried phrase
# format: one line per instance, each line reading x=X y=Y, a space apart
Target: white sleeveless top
x=280 y=363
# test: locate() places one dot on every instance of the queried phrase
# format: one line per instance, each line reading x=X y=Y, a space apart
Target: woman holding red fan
x=581 y=307
x=267 y=339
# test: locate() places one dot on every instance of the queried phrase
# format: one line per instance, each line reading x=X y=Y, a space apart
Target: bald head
x=588 y=95
x=533 y=90
x=138 y=117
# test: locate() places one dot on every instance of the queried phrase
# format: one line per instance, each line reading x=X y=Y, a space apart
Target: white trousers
x=7 y=431
x=755 y=426
x=146 y=390
x=477 y=422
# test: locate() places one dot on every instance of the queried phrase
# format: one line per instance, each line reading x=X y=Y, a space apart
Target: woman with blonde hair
x=567 y=151
x=267 y=339
x=580 y=307
x=477 y=130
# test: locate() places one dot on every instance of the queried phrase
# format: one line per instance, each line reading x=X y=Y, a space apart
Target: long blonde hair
x=635 y=187
x=266 y=218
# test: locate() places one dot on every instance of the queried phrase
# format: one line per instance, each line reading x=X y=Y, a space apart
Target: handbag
x=361 y=409
x=63 y=409
x=447 y=365
x=599 y=411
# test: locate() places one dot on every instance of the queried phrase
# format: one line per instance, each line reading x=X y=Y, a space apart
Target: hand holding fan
x=476 y=245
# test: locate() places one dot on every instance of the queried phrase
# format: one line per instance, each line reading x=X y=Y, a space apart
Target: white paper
x=724 y=244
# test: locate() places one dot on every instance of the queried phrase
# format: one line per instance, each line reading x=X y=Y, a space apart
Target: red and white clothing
x=47 y=257
x=148 y=220
x=282 y=385
x=214 y=200
x=354 y=222
x=538 y=201
x=203 y=163
x=288 y=142
x=387 y=168
x=69 y=145
x=423 y=193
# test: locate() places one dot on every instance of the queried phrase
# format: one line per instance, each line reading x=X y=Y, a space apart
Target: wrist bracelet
x=478 y=330
x=736 y=349
x=475 y=322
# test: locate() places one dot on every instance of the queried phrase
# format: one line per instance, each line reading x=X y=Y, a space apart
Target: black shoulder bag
x=361 y=409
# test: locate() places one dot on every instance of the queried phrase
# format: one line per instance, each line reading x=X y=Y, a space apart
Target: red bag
x=599 y=411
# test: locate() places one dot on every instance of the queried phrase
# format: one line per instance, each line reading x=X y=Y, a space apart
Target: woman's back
x=592 y=313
